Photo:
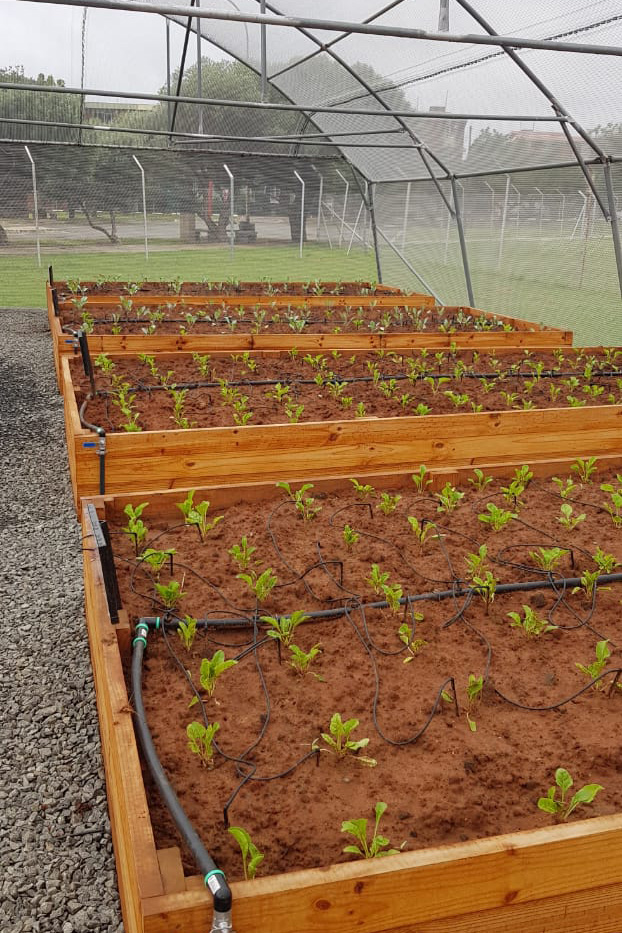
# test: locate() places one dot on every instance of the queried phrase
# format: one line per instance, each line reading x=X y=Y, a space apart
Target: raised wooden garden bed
x=331 y=445
x=556 y=878
x=265 y=288
x=520 y=334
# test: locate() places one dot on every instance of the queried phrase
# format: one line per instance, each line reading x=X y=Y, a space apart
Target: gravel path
x=57 y=871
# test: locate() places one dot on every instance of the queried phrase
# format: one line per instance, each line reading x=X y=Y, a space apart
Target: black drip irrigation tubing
x=350 y=380
x=214 y=877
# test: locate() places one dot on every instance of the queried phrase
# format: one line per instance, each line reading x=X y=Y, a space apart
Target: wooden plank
x=414 y=891
x=171 y=870
x=137 y=864
x=200 y=456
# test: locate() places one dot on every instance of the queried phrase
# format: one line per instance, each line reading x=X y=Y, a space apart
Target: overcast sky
x=127 y=50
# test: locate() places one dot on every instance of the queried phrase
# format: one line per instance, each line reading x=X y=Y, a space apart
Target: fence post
x=36 y=202
x=503 y=219
x=405 y=222
x=345 y=204
x=302 y=212
x=231 y=211
x=615 y=226
x=142 y=182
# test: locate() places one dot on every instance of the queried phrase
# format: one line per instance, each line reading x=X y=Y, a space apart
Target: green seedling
x=211 y=670
x=104 y=363
x=393 y=593
x=517 y=486
x=448 y=498
x=531 y=624
x=203 y=362
x=560 y=806
x=305 y=505
x=170 y=593
x=156 y=559
x=377 y=579
x=388 y=503
x=350 y=536
x=242 y=553
x=201 y=739
x=481 y=480
x=486 y=586
x=548 y=558
x=592 y=671
x=474 y=695
x=360 y=411
x=187 y=630
x=363 y=491
x=302 y=660
x=406 y=634
x=421 y=478
x=476 y=563
x=197 y=514
x=614 y=506
x=251 y=856
x=568 y=519
x=495 y=517
x=261 y=585
x=423 y=530
x=283 y=627
x=584 y=469
x=135 y=525
x=339 y=741
x=606 y=563
x=564 y=486
x=589 y=580
x=377 y=846
x=293 y=412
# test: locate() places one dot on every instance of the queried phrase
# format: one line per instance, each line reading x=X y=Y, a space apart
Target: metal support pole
x=302 y=212
x=374 y=230
x=561 y=219
x=405 y=223
x=36 y=202
x=462 y=238
x=355 y=228
x=345 y=204
x=319 y=204
x=168 y=72
x=142 y=181
x=199 y=68
x=518 y=195
x=615 y=225
x=541 y=193
x=447 y=229
x=366 y=245
x=264 y=60
x=503 y=219
x=231 y=212
x=492 y=205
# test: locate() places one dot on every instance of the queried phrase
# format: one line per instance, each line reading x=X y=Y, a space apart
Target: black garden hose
x=213 y=876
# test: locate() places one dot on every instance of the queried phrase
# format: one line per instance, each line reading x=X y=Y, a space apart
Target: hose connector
x=216 y=882
x=141 y=632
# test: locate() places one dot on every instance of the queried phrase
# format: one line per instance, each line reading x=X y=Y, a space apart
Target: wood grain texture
x=202 y=456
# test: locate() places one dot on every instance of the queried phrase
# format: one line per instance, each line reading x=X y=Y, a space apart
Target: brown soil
x=232 y=288
x=507 y=386
x=449 y=785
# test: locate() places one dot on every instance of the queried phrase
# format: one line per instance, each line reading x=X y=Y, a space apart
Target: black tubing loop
x=220 y=889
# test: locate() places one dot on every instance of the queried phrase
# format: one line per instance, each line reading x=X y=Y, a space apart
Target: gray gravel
x=57 y=872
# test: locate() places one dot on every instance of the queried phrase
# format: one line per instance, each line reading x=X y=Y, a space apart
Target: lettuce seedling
x=476 y=563
x=422 y=530
x=588 y=583
x=170 y=593
x=157 y=559
x=283 y=627
x=301 y=660
x=592 y=671
x=261 y=585
x=481 y=480
x=565 y=486
x=531 y=624
x=486 y=586
x=548 y=558
x=474 y=695
x=363 y=492
x=339 y=742
x=495 y=517
x=568 y=519
x=614 y=507
x=200 y=741
x=388 y=503
x=421 y=478
x=197 y=514
x=606 y=563
x=377 y=846
x=135 y=526
x=251 y=856
x=211 y=669
x=584 y=468
x=187 y=631
x=242 y=553
x=305 y=505
x=448 y=498
x=350 y=536
x=377 y=579
x=407 y=635
x=393 y=593
x=562 y=807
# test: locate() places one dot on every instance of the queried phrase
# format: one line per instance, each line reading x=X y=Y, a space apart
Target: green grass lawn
x=22 y=283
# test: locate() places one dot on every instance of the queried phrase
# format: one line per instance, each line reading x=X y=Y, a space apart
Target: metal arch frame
x=555 y=104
